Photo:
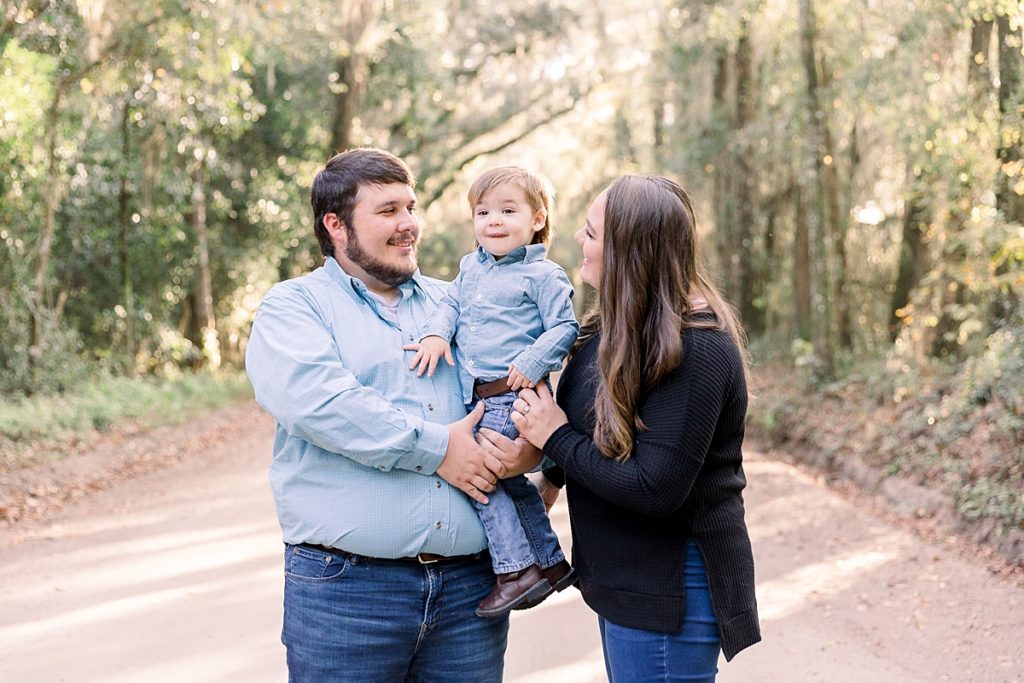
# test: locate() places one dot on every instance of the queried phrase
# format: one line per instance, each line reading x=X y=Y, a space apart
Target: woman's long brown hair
x=652 y=272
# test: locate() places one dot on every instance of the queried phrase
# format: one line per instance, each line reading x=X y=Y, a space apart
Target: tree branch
x=450 y=175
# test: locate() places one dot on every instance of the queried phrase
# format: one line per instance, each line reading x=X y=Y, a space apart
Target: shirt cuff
x=429 y=451
x=443 y=333
x=533 y=370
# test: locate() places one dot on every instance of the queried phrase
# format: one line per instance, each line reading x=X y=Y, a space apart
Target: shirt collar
x=527 y=254
x=357 y=287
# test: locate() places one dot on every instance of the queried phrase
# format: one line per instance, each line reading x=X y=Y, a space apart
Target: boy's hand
x=517 y=380
x=428 y=353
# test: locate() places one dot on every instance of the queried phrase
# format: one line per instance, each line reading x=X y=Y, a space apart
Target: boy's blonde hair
x=537 y=189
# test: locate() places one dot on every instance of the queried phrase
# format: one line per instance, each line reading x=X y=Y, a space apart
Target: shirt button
x=430 y=407
x=410 y=338
x=418 y=468
x=437 y=525
x=381 y=467
x=437 y=484
x=472 y=328
x=470 y=362
x=478 y=296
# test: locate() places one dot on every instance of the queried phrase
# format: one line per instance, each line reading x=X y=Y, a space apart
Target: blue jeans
x=362 y=620
x=632 y=655
x=518 y=530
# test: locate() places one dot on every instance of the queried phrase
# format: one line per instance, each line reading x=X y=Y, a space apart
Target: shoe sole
x=541 y=588
x=568 y=580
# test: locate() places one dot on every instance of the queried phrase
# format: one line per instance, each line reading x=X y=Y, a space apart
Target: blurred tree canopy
x=858 y=164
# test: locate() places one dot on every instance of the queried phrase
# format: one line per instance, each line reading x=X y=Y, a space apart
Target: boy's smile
x=503 y=220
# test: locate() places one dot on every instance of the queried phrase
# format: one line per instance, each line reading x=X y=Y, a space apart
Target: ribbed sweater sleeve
x=680 y=416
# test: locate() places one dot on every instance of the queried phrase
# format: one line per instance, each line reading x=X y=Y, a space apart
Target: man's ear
x=336 y=229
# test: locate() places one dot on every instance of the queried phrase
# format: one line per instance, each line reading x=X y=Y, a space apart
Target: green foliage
x=992 y=499
x=99 y=404
x=956 y=428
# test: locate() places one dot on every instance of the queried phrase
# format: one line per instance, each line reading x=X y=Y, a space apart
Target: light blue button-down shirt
x=359 y=436
x=516 y=310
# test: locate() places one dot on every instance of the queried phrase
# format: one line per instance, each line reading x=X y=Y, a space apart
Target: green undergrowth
x=48 y=426
x=954 y=428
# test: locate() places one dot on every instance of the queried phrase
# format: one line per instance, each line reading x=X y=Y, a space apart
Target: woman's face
x=591 y=239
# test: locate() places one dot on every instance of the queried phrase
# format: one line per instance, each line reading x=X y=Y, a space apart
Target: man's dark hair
x=336 y=185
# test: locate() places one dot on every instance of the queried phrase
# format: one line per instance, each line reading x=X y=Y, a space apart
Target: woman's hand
x=536 y=415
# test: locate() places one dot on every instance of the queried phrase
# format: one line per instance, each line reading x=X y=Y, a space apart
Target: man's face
x=380 y=246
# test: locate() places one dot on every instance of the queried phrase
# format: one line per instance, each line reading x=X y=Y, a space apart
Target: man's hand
x=517 y=380
x=515 y=457
x=466 y=465
x=428 y=352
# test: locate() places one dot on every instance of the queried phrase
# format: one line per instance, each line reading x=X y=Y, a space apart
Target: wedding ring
x=526 y=410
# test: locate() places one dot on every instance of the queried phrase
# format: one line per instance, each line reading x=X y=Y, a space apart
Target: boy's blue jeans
x=518 y=529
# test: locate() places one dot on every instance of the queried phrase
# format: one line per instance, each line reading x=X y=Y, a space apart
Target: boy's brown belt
x=488 y=389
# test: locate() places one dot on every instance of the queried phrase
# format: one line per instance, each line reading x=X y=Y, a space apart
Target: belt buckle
x=420 y=557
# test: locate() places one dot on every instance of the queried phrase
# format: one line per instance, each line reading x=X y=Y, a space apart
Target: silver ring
x=526 y=410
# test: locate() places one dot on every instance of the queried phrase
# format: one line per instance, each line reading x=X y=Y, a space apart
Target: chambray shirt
x=359 y=437
x=516 y=310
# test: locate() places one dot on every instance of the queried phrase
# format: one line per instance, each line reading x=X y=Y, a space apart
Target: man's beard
x=392 y=276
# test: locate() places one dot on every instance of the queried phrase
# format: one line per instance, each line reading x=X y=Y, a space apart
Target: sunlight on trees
x=857 y=163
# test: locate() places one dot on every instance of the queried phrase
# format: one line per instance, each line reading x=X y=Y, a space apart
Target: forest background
x=856 y=164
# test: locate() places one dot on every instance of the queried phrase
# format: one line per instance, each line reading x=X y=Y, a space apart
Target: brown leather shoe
x=513 y=589
x=559 y=576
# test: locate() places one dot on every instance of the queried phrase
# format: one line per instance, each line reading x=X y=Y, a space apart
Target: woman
x=647 y=434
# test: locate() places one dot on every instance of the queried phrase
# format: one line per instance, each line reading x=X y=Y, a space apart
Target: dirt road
x=175 y=577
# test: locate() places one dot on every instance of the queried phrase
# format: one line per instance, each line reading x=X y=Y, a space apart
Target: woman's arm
x=681 y=415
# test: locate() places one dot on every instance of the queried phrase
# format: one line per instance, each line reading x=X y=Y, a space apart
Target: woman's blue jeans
x=360 y=620
x=518 y=530
x=632 y=655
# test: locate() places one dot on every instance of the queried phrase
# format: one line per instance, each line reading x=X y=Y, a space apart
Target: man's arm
x=298 y=377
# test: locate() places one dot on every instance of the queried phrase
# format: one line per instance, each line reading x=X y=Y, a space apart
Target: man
x=385 y=558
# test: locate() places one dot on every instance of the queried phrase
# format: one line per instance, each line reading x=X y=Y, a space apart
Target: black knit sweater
x=631 y=520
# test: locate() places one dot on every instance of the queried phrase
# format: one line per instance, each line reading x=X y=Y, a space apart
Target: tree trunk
x=837 y=223
x=352 y=67
x=348 y=91
x=1009 y=201
x=722 y=180
x=658 y=129
x=802 y=296
x=812 y=179
x=953 y=295
x=204 y=315
x=127 y=290
x=913 y=251
x=750 y=301
x=39 y=309
x=1011 y=120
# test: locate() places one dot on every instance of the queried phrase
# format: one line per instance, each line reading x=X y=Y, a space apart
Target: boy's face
x=503 y=220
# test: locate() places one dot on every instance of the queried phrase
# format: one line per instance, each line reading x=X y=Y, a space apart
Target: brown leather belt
x=488 y=389
x=421 y=558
